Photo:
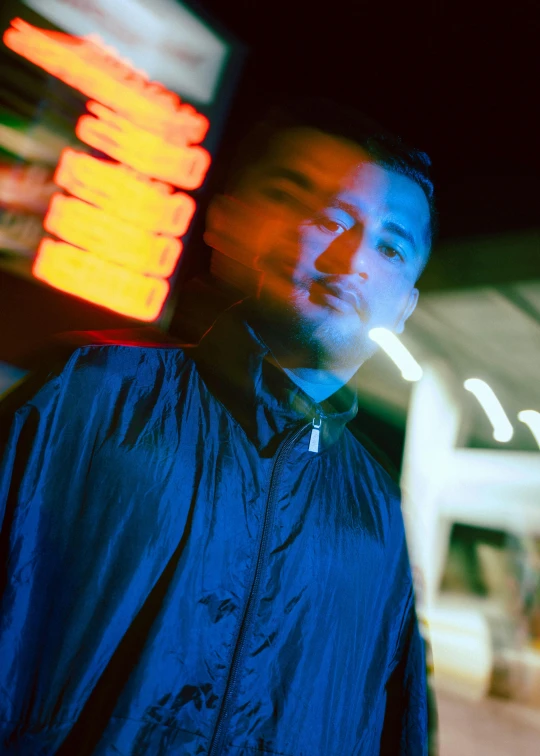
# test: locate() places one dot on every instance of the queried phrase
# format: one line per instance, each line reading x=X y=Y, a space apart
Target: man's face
x=340 y=242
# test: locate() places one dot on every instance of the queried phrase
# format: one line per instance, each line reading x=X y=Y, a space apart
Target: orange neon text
x=98 y=73
x=122 y=192
x=128 y=143
x=121 y=225
x=99 y=281
x=109 y=237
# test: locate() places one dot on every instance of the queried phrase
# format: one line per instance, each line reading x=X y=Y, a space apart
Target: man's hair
x=382 y=147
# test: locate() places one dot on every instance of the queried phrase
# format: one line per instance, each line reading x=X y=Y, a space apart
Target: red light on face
x=88 y=276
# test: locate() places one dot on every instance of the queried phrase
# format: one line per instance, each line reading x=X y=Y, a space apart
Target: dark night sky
x=455 y=79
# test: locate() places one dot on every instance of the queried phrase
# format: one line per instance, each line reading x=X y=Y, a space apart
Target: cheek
x=389 y=303
x=313 y=242
x=284 y=254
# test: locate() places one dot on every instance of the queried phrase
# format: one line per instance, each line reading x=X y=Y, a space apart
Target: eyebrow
x=391 y=226
x=295 y=177
x=399 y=230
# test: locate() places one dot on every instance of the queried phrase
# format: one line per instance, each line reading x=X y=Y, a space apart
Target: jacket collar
x=237 y=368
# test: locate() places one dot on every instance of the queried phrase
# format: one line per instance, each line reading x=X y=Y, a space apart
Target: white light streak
x=532 y=419
x=410 y=369
x=502 y=427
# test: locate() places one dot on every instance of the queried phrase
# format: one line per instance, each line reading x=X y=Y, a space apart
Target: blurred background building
x=454 y=79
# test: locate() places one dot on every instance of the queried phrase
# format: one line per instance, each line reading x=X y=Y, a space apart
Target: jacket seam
x=405 y=621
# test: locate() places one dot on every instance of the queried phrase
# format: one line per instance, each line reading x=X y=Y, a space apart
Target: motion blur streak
x=532 y=419
x=502 y=427
x=410 y=369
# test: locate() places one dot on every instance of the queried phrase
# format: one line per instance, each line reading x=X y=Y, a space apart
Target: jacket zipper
x=314 y=435
x=224 y=713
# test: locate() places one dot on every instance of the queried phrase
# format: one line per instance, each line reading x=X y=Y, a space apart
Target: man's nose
x=348 y=254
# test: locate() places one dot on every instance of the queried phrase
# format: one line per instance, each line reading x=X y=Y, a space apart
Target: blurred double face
x=339 y=242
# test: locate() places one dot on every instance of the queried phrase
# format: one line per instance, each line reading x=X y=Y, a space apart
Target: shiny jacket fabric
x=181 y=575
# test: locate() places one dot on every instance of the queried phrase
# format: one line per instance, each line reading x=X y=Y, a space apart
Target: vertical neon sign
x=119 y=227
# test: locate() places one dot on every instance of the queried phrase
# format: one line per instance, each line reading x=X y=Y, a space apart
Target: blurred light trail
x=532 y=419
x=502 y=428
x=410 y=369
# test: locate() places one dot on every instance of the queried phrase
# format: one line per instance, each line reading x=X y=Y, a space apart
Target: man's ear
x=408 y=311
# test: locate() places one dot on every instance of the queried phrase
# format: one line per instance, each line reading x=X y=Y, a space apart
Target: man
x=201 y=558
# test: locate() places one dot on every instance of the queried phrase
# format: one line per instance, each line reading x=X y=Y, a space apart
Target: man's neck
x=318 y=384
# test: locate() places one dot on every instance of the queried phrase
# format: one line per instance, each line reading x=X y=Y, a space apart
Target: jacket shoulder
x=95 y=361
x=376 y=459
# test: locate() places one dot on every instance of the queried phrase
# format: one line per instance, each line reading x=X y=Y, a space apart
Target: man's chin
x=316 y=333
x=341 y=341
x=344 y=325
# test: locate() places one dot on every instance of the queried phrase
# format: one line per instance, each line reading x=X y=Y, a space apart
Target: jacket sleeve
x=28 y=410
x=406 y=727
x=26 y=414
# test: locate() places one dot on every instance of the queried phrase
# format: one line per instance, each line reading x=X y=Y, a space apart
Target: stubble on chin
x=306 y=337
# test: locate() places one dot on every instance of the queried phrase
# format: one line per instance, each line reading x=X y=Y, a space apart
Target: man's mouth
x=328 y=293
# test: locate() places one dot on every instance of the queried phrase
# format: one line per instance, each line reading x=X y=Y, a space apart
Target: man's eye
x=391 y=253
x=331 y=226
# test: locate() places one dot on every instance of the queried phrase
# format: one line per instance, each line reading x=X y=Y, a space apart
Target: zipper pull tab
x=314 y=437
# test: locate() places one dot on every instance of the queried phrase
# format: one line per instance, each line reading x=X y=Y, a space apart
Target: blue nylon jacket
x=180 y=574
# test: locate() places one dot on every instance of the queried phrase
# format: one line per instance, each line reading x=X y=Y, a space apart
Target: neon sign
x=141 y=149
x=88 y=276
x=112 y=238
x=123 y=192
x=120 y=226
x=94 y=69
